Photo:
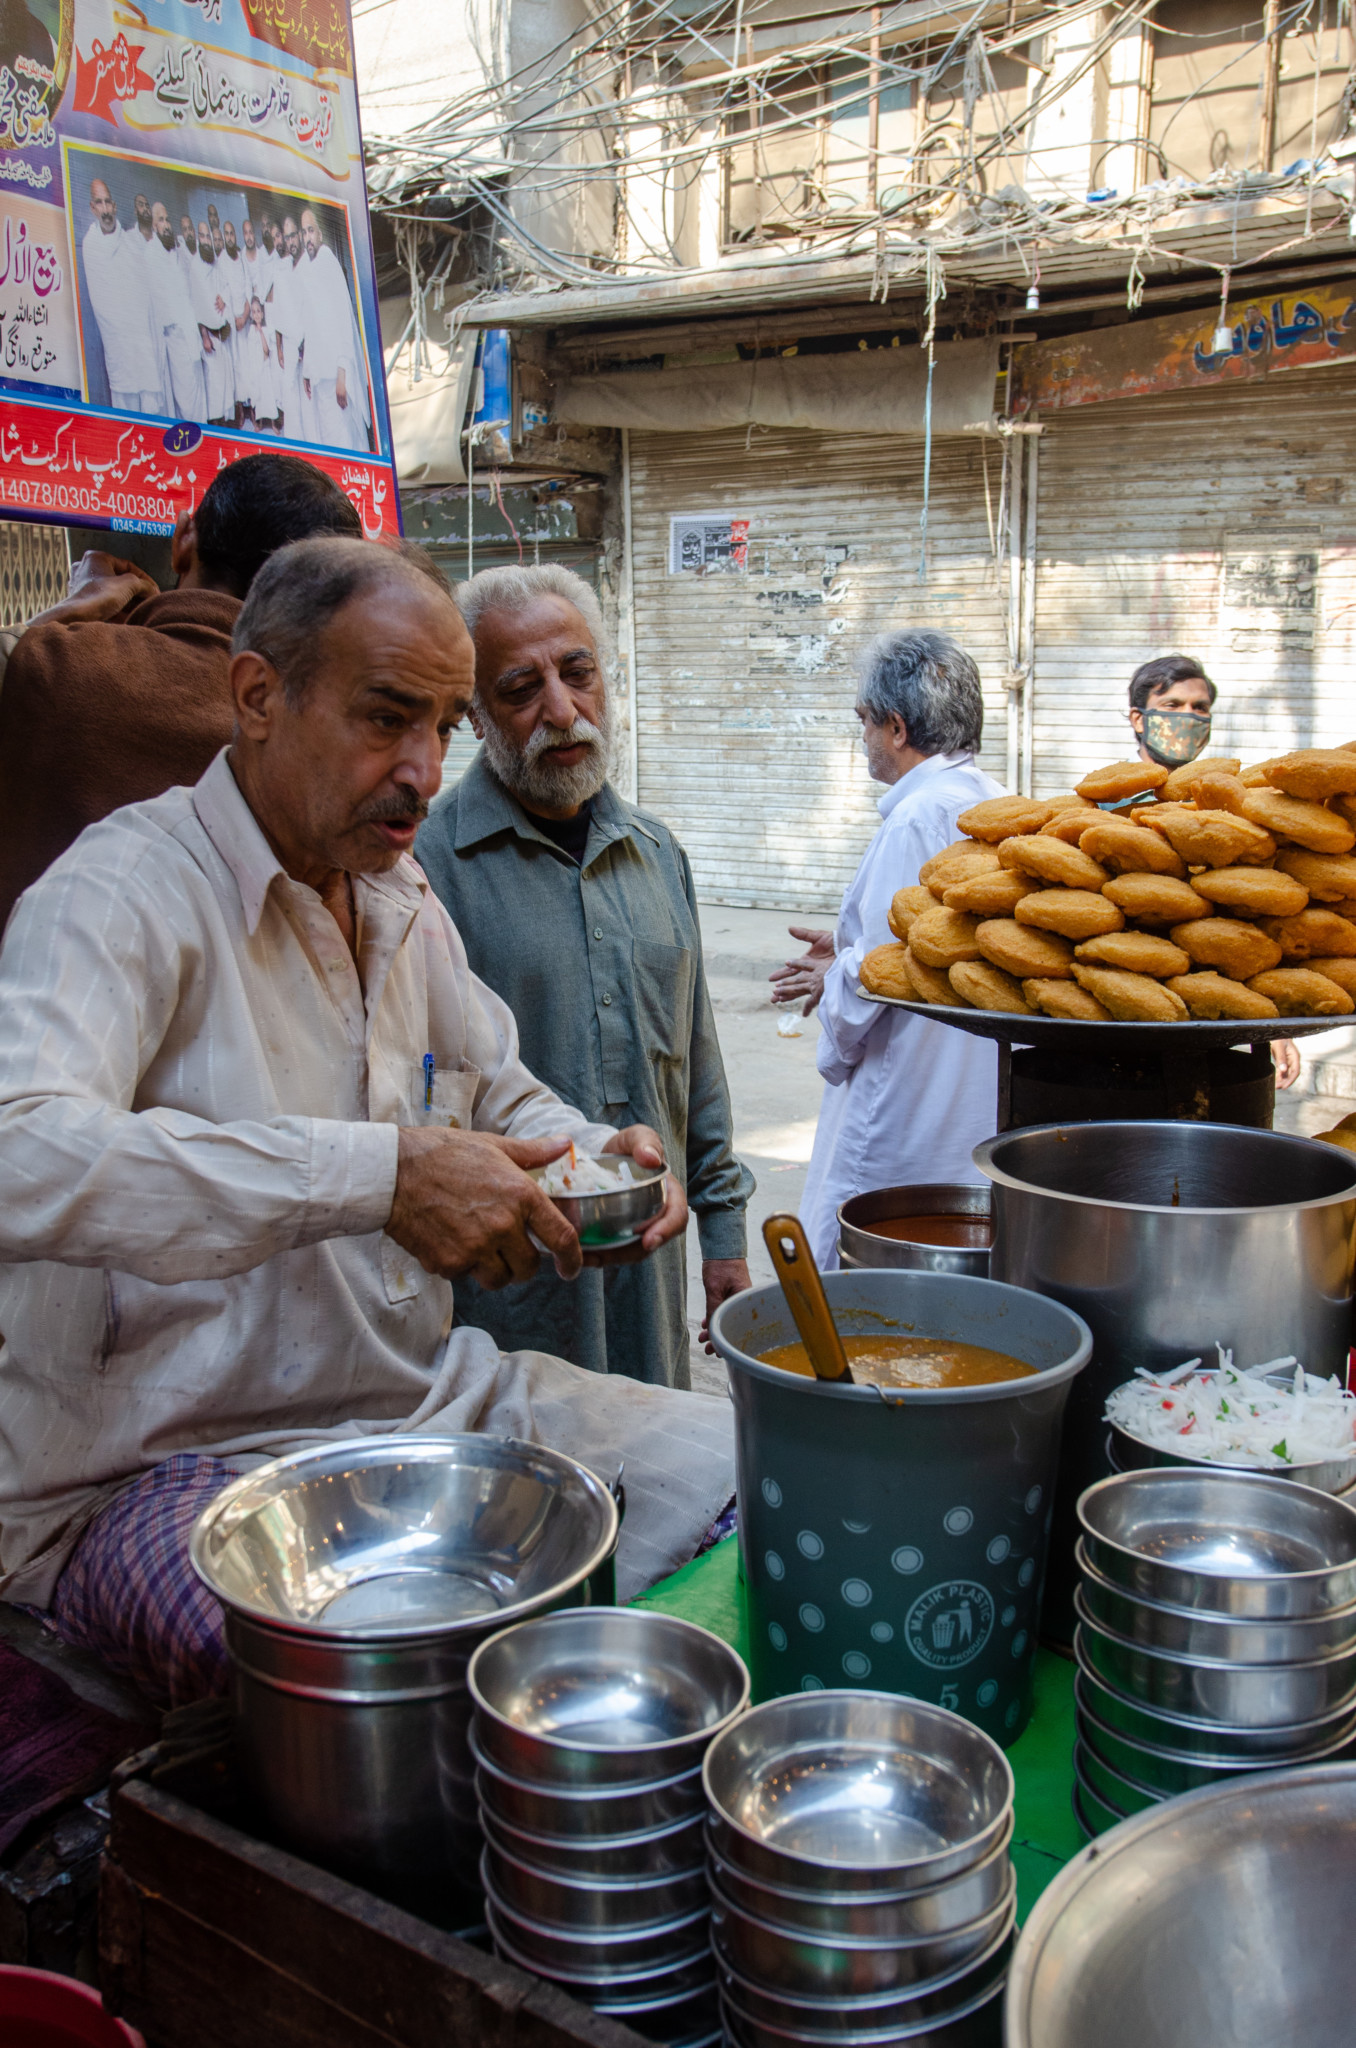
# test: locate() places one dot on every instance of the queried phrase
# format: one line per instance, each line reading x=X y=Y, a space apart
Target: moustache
x=546 y=741
x=393 y=810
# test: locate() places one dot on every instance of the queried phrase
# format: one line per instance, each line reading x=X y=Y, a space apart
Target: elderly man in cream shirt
x=227 y=1228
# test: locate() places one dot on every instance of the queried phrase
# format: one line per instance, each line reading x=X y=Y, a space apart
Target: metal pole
x=873 y=116
x=1013 y=453
x=627 y=609
x=1029 y=617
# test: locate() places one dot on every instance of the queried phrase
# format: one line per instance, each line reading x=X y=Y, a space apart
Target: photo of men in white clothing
x=168 y=320
x=115 y=279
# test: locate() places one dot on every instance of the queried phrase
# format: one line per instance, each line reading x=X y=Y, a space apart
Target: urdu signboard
x=1267 y=332
x=186 y=269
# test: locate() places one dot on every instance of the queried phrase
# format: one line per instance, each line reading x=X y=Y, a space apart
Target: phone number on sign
x=59 y=497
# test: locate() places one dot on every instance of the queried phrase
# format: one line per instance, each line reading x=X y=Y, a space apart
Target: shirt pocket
x=664 y=978
x=401 y=1271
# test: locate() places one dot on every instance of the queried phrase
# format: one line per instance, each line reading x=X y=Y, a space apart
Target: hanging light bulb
x=1222 y=341
x=1033 y=299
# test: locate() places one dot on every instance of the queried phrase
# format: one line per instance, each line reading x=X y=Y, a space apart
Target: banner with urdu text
x=186 y=269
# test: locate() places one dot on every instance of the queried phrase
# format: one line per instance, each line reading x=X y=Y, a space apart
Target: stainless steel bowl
x=873 y=2011
x=603 y=1696
x=402 y=1536
x=585 y=1905
x=615 y=1218
x=1221 y=1917
x=1185 y=1631
x=853 y=1967
x=670 y=2017
x=856 y=1791
x=977 y=2024
x=673 y=1851
x=1110 y=1787
x=1130 y=1453
x=859 y=1245
x=565 y=1816
x=1241 y=1544
x=692 y=1973
x=1092 y=1815
x=597 y=1957
x=1215 y=1741
x=1165 y=1772
x=877 y=1916
x=1244 y=1695
x=357 y=1578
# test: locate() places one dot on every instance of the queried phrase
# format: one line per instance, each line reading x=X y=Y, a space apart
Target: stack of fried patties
x=1223 y=894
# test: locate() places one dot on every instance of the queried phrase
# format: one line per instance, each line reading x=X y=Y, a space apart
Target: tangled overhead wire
x=639 y=106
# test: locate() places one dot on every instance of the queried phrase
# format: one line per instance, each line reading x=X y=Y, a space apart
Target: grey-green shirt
x=601 y=964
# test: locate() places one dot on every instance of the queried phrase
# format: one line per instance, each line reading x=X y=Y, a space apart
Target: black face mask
x=1172 y=738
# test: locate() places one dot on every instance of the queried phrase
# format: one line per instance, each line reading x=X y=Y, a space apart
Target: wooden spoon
x=794 y=1266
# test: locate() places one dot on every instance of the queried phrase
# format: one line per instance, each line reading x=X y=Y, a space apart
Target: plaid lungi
x=130 y=1596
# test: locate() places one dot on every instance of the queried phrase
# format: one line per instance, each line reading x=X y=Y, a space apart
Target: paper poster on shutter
x=1269 y=590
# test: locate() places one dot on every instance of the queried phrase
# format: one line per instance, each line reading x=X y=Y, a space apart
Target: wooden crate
x=211 y=1938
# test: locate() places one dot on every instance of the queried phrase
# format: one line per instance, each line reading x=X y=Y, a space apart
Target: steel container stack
x=588 y=1739
x=1216 y=1634
x=862 y=1886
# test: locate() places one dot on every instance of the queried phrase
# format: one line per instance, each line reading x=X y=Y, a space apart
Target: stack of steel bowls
x=589 y=1734
x=863 y=1891
x=1216 y=1634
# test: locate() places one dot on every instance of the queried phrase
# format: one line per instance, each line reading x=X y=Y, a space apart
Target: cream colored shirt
x=198 y=1111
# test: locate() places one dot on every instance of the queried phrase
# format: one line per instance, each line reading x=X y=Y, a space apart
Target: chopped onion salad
x=574 y=1173
x=1233 y=1415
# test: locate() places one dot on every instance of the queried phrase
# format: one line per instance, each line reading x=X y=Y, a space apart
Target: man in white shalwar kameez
x=214 y=326
x=235 y=286
x=118 y=286
x=175 y=322
x=905 y=1100
x=287 y=324
x=334 y=370
x=228 y=1228
x=258 y=264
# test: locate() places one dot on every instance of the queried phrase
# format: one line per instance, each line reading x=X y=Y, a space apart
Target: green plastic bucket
x=899 y=1541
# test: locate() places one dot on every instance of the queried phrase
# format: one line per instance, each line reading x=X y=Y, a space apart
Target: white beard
x=532 y=774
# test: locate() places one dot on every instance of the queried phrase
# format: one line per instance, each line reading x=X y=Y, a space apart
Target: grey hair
x=299 y=589
x=514 y=589
x=930 y=682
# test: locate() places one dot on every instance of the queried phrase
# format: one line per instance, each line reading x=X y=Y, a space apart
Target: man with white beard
x=116 y=280
x=334 y=374
x=580 y=911
x=214 y=329
x=258 y=263
x=287 y=324
x=175 y=322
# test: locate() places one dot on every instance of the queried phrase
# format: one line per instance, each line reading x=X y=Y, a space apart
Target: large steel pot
x=1221 y=1917
x=898 y=1540
x=357 y=1580
x=1168 y=1238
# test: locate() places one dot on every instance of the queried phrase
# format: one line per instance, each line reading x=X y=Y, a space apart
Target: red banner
x=137 y=476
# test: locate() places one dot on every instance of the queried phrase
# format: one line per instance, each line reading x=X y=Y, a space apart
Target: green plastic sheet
x=709 y=1592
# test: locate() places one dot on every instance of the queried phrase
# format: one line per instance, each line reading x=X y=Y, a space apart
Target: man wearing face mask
x=1171 y=699
x=1171 y=702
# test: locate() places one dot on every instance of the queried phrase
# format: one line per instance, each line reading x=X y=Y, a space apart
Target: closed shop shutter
x=745 y=681
x=34 y=566
x=1220 y=524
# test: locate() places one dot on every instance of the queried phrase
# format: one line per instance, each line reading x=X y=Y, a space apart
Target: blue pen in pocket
x=428 y=1080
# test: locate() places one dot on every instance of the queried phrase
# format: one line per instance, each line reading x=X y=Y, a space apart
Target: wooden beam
x=1271 y=83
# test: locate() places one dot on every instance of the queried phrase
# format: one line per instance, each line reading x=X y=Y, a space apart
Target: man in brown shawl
x=122 y=691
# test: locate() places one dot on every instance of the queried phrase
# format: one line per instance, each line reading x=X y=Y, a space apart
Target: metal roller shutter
x=745 y=682
x=1195 y=524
